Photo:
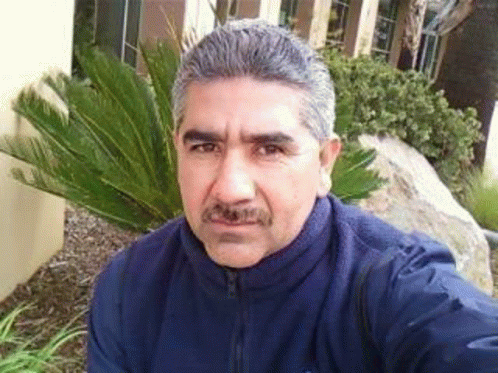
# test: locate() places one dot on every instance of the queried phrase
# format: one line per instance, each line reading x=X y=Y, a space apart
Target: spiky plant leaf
x=352 y=180
x=162 y=63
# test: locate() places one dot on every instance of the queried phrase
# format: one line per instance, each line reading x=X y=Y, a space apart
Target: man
x=267 y=272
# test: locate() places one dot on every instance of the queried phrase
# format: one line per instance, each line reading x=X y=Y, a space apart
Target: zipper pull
x=232 y=283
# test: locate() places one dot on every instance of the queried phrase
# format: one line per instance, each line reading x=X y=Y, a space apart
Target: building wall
x=37 y=37
x=360 y=27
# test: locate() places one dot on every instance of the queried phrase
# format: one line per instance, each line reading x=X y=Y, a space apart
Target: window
x=131 y=30
x=288 y=13
x=337 y=22
x=429 y=47
x=384 y=28
x=117 y=27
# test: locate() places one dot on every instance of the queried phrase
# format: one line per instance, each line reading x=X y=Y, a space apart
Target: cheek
x=294 y=189
x=192 y=188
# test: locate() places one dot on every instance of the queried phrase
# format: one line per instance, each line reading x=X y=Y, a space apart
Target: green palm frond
x=352 y=180
x=111 y=150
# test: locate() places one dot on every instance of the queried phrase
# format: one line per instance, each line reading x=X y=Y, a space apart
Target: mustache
x=237 y=215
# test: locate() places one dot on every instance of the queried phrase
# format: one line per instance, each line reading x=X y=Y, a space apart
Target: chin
x=235 y=255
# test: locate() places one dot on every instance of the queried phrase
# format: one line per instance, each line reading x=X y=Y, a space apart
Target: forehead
x=243 y=103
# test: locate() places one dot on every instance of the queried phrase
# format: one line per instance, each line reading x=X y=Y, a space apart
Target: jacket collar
x=275 y=273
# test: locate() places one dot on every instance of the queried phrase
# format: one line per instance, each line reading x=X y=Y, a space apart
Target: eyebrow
x=201 y=136
x=269 y=138
x=259 y=138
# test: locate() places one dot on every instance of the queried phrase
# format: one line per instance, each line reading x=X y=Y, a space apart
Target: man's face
x=249 y=171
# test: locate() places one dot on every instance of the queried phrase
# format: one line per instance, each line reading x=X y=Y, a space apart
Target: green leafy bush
x=386 y=101
x=18 y=354
x=481 y=198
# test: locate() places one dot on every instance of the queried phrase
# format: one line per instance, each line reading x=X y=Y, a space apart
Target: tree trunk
x=469 y=69
x=414 y=21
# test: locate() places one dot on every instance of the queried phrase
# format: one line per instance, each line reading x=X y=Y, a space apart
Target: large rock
x=415 y=199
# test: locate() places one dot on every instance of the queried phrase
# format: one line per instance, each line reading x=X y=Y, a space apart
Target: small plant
x=481 y=198
x=386 y=101
x=18 y=354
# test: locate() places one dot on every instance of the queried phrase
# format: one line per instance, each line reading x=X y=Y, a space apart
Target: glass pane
x=383 y=34
x=337 y=22
x=130 y=56
x=133 y=22
x=388 y=9
x=287 y=13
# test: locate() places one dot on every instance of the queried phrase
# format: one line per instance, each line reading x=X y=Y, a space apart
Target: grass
x=20 y=353
x=481 y=199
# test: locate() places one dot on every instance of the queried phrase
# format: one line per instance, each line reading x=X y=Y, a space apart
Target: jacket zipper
x=236 y=356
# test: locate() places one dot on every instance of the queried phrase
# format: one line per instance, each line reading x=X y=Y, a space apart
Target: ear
x=329 y=152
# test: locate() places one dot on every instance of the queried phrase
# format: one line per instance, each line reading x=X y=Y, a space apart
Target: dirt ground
x=61 y=289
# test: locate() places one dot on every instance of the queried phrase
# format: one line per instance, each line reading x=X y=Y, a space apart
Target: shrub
x=386 y=101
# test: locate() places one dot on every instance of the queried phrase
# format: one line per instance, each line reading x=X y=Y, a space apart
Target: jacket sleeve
x=423 y=317
x=105 y=350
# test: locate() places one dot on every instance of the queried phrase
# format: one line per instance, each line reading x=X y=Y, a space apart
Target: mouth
x=230 y=223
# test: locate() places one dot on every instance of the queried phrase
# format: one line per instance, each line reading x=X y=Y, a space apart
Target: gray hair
x=266 y=53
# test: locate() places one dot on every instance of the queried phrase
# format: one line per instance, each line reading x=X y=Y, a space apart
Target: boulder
x=415 y=199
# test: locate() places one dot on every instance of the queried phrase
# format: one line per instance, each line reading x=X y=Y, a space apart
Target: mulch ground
x=61 y=289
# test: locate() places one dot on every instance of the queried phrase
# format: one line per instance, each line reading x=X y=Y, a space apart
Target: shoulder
x=414 y=308
x=364 y=228
x=376 y=238
x=131 y=282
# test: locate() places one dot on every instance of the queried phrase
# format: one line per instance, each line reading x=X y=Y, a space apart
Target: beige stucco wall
x=37 y=36
x=198 y=17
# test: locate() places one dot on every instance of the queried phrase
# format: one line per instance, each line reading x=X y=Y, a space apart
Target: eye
x=269 y=150
x=207 y=147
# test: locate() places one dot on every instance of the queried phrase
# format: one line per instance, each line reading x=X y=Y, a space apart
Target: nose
x=233 y=183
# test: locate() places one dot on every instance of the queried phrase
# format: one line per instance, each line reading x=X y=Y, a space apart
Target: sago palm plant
x=111 y=151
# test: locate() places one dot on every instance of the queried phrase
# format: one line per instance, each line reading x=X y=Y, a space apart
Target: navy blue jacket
x=349 y=294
